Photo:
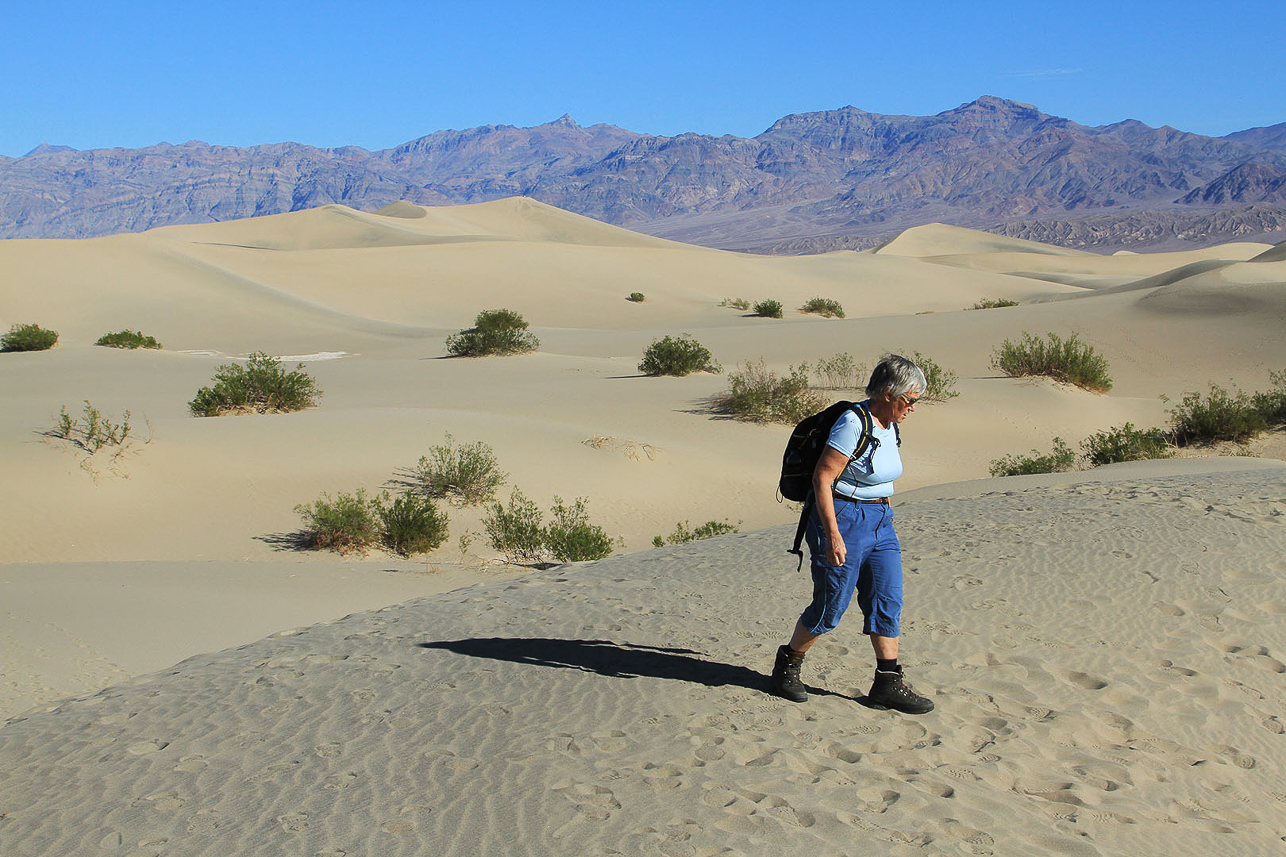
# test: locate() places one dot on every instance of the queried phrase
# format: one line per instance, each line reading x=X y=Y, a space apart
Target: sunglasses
x=910 y=401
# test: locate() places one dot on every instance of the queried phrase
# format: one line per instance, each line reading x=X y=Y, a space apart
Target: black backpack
x=803 y=451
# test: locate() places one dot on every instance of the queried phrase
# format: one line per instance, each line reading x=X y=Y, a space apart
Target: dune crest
x=940 y=239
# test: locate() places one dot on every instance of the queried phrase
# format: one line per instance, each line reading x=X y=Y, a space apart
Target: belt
x=881 y=501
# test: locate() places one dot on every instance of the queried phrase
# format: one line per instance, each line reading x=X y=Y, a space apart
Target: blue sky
x=103 y=74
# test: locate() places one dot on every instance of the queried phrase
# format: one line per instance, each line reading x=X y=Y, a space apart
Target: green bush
x=823 y=307
x=570 y=537
x=1219 y=415
x=1126 y=443
x=1062 y=458
x=736 y=303
x=260 y=387
x=757 y=394
x=515 y=530
x=993 y=303
x=1271 y=405
x=840 y=372
x=346 y=524
x=497 y=331
x=409 y=524
x=1067 y=360
x=941 y=382
x=96 y=432
x=682 y=533
x=28 y=337
x=768 y=309
x=466 y=473
x=353 y=523
x=681 y=355
x=127 y=339
x=636 y=297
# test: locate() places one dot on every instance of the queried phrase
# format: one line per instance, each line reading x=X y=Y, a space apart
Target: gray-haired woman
x=850 y=537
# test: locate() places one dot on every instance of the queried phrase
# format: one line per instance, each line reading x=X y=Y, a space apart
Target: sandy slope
x=113 y=568
x=1106 y=654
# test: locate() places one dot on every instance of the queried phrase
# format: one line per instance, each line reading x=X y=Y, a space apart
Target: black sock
x=889 y=666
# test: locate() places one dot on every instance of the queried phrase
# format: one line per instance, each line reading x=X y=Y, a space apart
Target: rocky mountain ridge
x=811 y=181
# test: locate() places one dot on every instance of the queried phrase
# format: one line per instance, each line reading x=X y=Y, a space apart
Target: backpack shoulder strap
x=865 y=438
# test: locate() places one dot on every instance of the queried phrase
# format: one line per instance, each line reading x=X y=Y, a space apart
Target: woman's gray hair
x=896 y=372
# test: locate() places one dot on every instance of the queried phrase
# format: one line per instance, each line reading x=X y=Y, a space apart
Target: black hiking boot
x=890 y=692
x=785 y=676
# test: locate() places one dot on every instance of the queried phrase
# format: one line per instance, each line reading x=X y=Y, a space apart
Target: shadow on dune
x=296 y=541
x=619 y=660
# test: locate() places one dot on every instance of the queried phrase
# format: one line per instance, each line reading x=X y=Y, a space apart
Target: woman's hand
x=836 y=551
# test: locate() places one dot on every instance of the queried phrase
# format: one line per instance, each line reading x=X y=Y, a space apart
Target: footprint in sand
x=1080 y=679
x=142 y=748
x=1259 y=656
x=340 y=781
x=1238 y=758
x=662 y=777
x=191 y=764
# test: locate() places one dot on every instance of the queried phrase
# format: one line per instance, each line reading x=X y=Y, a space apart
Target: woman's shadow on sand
x=618 y=660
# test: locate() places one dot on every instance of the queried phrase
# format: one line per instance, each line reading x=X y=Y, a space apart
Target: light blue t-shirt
x=869 y=476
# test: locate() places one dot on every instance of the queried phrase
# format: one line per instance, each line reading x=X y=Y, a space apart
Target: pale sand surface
x=1106 y=656
x=113 y=569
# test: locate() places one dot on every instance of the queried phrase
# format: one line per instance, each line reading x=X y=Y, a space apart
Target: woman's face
x=904 y=405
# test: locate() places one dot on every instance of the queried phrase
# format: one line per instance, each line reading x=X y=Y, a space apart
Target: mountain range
x=811 y=182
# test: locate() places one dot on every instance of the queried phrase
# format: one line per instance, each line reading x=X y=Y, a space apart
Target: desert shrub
x=1062 y=458
x=261 y=386
x=758 y=394
x=735 y=303
x=993 y=303
x=940 y=383
x=1271 y=405
x=346 y=524
x=127 y=339
x=570 y=537
x=823 y=307
x=636 y=297
x=409 y=524
x=768 y=309
x=1126 y=443
x=353 y=523
x=496 y=331
x=839 y=372
x=467 y=473
x=683 y=533
x=515 y=530
x=1219 y=415
x=1067 y=360
x=681 y=355
x=93 y=430
x=28 y=337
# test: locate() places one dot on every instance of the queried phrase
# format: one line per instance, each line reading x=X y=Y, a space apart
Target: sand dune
x=939 y=239
x=1106 y=655
x=1110 y=637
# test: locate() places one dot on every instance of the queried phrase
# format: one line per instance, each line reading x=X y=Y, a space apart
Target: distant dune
x=1106 y=645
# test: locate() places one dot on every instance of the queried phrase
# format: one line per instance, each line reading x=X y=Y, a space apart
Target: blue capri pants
x=872 y=569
